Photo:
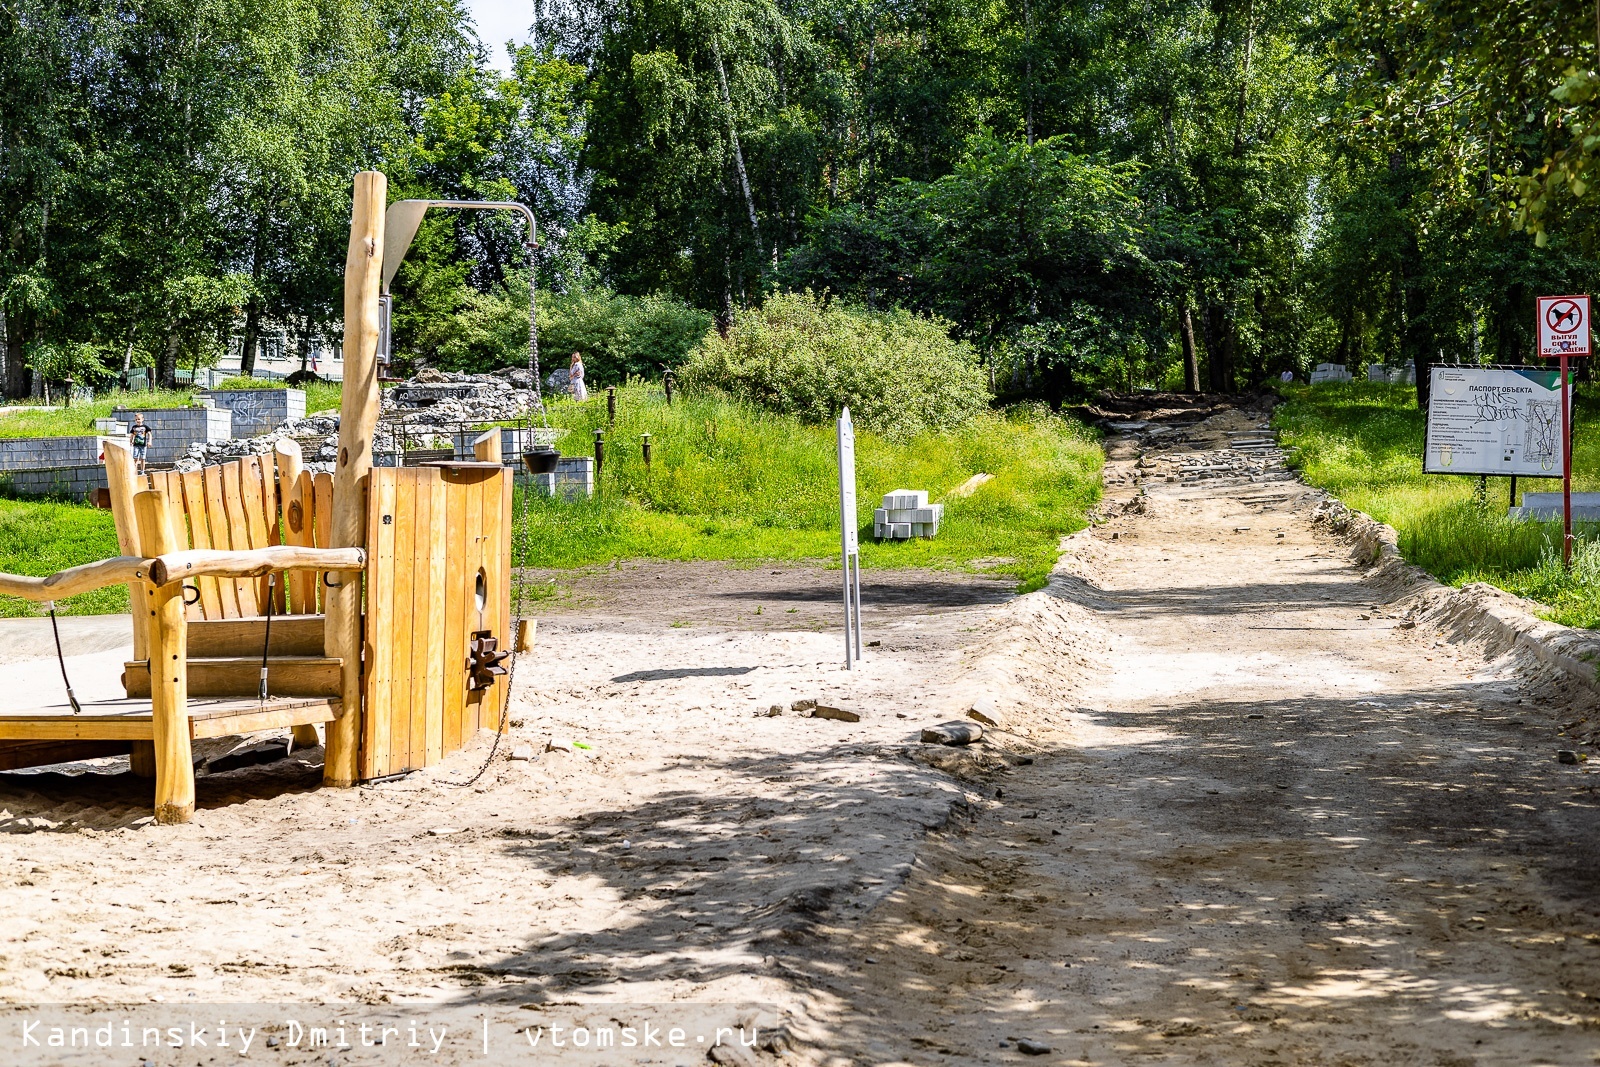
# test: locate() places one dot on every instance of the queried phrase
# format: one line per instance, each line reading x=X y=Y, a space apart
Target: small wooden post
x=123 y=483
x=645 y=449
x=169 y=681
x=667 y=380
x=358 y=418
x=486 y=449
x=611 y=405
x=599 y=452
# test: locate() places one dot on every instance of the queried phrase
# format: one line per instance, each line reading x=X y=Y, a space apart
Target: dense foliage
x=898 y=374
x=1092 y=192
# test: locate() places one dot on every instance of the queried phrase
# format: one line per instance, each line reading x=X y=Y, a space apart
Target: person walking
x=139 y=436
x=575 y=386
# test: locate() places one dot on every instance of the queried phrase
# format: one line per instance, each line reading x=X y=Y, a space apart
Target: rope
x=62 y=660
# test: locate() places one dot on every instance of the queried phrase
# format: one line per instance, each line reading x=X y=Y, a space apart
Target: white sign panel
x=847 y=482
x=1494 y=420
x=1563 y=325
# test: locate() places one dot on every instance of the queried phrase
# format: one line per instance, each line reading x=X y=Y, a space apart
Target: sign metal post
x=849 y=547
x=1563 y=327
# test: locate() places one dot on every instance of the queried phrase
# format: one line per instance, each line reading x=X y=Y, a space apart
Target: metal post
x=599 y=452
x=1566 y=466
x=666 y=382
x=849 y=548
x=611 y=405
x=1513 y=501
x=646 y=449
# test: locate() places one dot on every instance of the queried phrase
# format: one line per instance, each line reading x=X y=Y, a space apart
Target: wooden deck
x=129 y=719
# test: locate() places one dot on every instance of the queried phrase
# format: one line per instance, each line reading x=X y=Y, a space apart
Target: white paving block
x=906 y=498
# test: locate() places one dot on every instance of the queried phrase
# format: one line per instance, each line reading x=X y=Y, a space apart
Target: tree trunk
x=252 y=337
x=738 y=154
x=18 y=383
x=166 y=370
x=1219 y=348
x=1191 y=358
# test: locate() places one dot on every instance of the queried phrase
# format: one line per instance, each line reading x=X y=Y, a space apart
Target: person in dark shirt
x=139 y=436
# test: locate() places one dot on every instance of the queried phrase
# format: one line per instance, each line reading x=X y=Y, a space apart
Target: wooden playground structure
x=374 y=602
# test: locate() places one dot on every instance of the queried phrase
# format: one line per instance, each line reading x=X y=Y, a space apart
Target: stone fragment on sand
x=1029 y=1047
x=522 y=752
x=802 y=705
x=826 y=711
x=560 y=744
x=983 y=710
x=1566 y=756
x=775 y=711
x=952 y=733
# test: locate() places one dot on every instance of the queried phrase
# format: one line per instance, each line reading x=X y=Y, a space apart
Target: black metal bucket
x=541 y=459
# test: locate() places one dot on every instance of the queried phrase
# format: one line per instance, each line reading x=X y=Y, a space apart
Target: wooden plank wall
x=431 y=531
x=251 y=502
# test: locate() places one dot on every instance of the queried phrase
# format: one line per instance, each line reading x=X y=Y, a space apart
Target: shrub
x=898 y=373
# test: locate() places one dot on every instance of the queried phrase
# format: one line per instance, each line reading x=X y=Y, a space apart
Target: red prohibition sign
x=1564 y=316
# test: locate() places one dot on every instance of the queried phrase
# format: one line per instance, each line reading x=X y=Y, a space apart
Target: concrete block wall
x=573 y=478
x=177 y=428
x=259 y=411
x=48 y=453
x=72 y=483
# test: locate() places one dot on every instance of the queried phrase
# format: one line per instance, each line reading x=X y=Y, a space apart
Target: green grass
x=42 y=538
x=730 y=482
x=78 y=420
x=1363 y=441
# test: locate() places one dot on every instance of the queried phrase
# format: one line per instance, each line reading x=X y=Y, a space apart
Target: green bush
x=899 y=374
x=620 y=336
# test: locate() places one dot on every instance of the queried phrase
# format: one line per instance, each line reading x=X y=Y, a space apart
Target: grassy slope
x=1363 y=443
x=729 y=482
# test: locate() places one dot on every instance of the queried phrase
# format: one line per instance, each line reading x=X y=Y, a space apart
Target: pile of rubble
x=428 y=411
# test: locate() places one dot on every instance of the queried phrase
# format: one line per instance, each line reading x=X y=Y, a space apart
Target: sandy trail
x=1278 y=828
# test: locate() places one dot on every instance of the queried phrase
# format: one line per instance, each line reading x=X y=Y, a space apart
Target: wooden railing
x=180 y=566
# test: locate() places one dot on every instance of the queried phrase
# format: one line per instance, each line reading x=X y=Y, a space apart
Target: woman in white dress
x=575 y=385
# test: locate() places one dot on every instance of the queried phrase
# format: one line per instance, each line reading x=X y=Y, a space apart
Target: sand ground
x=1240 y=813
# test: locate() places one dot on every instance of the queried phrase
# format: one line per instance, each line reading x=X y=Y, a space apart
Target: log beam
x=169 y=693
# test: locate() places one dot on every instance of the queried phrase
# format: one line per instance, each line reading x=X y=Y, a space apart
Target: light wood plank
x=249 y=722
x=239 y=676
x=376 y=748
x=194 y=502
x=253 y=489
x=15 y=755
x=457 y=597
x=434 y=669
x=401 y=624
x=298 y=522
x=322 y=492
x=238 y=532
x=121 y=479
x=221 y=536
x=292 y=635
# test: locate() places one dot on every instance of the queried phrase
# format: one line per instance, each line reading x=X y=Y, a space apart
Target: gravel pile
x=427 y=411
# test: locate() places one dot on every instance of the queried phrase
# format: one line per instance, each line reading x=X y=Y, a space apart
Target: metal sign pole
x=849 y=547
x=1566 y=466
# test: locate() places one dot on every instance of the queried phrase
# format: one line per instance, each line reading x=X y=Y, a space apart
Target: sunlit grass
x=728 y=481
x=38 y=539
x=1363 y=443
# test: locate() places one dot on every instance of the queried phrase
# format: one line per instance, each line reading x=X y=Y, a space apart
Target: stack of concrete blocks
x=1330 y=372
x=1378 y=372
x=110 y=428
x=177 y=428
x=906 y=513
x=258 y=411
x=67 y=467
x=573 y=478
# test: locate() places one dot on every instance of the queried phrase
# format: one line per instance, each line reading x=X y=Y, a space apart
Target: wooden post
x=169 y=681
x=358 y=418
x=486 y=449
x=122 y=480
x=611 y=405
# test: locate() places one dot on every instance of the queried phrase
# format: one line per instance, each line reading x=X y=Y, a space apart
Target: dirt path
x=1279 y=828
